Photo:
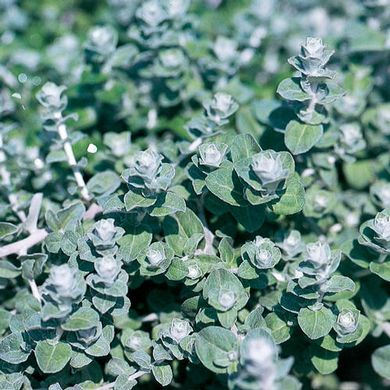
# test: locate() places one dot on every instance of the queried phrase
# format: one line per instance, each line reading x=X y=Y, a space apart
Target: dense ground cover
x=194 y=194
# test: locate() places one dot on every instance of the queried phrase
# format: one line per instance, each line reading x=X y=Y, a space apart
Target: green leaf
x=82 y=319
x=323 y=360
x=104 y=183
x=290 y=89
x=243 y=146
x=381 y=269
x=168 y=203
x=301 y=137
x=133 y=244
x=163 y=374
x=380 y=360
x=10 y=349
x=214 y=344
x=279 y=329
x=7 y=229
x=8 y=270
x=225 y=185
x=52 y=358
x=293 y=200
x=251 y=217
x=179 y=228
x=133 y=200
x=316 y=323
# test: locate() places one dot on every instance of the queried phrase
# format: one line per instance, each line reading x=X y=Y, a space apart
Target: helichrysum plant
x=194 y=195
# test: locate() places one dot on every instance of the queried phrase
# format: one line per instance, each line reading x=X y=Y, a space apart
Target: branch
x=63 y=133
x=25 y=244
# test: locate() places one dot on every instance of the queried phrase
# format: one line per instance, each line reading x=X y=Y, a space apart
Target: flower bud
x=347 y=322
x=313 y=48
x=225 y=49
x=107 y=268
x=318 y=253
x=227 y=299
x=212 y=155
x=220 y=108
x=51 y=96
x=102 y=40
x=147 y=164
x=180 y=329
x=151 y=13
x=105 y=229
x=194 y=271
x=63 y=278
x=381 y=226
x=268 y=166
x=155 y=256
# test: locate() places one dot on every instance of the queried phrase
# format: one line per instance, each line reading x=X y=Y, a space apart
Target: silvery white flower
x=221 y=106
x=227 y=299
x=180 y=329
x=268 y=166
x=177 y=8
x=318 y=253
x=152 y=13
x=147 y=164
x=212 y=155
x=261 y=351
x=63 y=278
x=313 y=48
x=292 y=244
x=102 y=39
x=347 y=322
x=381 y=226
x=172 y=58
x=105 y=229
x=351 y=134
x=225 y=49
x=50 y=96
x=107 y=268
x=134 y=342
x=155 y=256
x=382 y=192
x=321 y=202
x=194 y=271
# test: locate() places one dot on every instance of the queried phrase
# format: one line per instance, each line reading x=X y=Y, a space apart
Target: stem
x=137 y=374
x=34 y=289
x=63 y=133
x=23 y=245
x=150 y=318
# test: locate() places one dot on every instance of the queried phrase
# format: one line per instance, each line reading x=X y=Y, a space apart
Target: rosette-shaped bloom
x=104 y=234
x=148 y=172
x=319 y=263
x=380 y=193
x=260 y=367
x=220 y=108
x=64 y=286
x=179 y=329
x=375 y=233
x=262 y=253
x=351 y=141
x=224 y=292
x=347 y=322
x=312 y=59
x=269 y=167
x=156 y=260
x=292 y=244
x=101 y=43
x=108 y=268
x=350 y=325
x=212 y=154
x=51 y=97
